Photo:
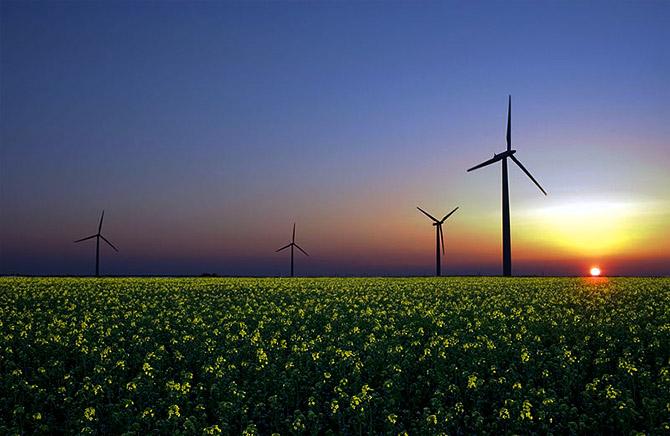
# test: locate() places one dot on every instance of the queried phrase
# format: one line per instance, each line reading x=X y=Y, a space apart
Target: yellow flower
x=212 y=430
x=525 y=410
x=173 y=411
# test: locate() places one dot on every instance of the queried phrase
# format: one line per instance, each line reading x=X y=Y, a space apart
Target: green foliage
x=333 y=356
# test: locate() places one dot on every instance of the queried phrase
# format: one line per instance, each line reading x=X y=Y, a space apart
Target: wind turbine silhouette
x=439 y=237
x=509 y=153
x=97 y=237
x=292 y=244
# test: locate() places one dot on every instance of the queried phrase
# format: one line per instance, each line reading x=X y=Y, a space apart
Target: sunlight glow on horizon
x=593 y=228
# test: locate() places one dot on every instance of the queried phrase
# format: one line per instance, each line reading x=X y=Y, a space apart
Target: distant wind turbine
x=509 y=153
x=292 y=244
x=439 y=237
x=97 y=237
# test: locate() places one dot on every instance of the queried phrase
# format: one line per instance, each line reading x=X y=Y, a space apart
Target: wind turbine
x=509 y=153
x=97 y=237
x=439 y=237
x=292 y=244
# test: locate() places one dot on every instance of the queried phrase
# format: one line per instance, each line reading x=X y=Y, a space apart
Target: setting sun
x=595 y=271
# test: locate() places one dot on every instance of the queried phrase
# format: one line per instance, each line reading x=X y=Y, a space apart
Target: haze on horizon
x=206 y=129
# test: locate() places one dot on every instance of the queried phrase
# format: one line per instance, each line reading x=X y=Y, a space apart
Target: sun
x=595 y=271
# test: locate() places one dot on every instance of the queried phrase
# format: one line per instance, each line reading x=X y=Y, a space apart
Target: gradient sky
x=206 y=129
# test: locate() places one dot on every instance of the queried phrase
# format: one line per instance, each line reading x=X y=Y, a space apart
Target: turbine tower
x=292 y=244
x=97 y=237
x=439 y=237
x=509 y=153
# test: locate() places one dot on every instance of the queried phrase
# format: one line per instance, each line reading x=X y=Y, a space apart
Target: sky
x=206 y=129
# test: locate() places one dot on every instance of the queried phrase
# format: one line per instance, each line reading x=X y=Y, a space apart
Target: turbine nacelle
x=506 y=153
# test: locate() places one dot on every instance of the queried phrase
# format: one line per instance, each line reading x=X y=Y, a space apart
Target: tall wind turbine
x=509 y=153
x=292 y=244
x=439 y=237
x=97 y=237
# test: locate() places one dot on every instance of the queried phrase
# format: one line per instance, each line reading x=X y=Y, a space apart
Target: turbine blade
x=284 y=247
x=101 y=218
x=110 y=244
x=441 y=236
x=293 y=238
x=516 y=161
x=494 y=159
x=428 y=215
x=83 y=239
x=298 y=247
x=448 y=215
x=509 y=123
